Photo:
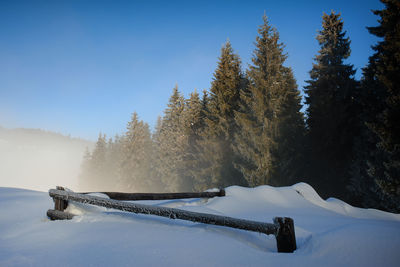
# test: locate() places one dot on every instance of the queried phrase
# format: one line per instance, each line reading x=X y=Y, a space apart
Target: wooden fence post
x=222 y=192
x=60 y=204
x=285 y=238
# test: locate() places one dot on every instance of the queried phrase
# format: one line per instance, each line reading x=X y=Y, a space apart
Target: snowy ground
x=329 y=233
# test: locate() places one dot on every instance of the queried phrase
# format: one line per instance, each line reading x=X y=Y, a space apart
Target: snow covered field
x=329 y=233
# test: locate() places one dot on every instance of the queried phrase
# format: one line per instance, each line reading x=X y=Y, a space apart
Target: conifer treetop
x=269 y=51
x=335 y=46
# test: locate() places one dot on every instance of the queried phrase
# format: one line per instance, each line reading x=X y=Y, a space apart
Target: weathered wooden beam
x=282 y=228
x=267 y=228
x=160 y=196
x=59 y=215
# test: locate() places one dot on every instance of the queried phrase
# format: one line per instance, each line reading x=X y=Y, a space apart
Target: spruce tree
x=85 y=171
x=218 y=136
x=332 y=119
x=136 y=151
x=171 y=143
x=156 y=168
x=288 y=156
x=371 y=101
x=381 y=99
x=100 y=169
x=269 y=114
x=98 y=165
x=111 y=170
x=192 y=118
x=200 y=169
x=192 y=126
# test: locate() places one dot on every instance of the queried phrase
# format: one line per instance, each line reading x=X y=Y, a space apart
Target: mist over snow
x=39 y=160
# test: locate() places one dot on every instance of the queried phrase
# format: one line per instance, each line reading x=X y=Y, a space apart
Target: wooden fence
x=282 y=227
x=160 y=196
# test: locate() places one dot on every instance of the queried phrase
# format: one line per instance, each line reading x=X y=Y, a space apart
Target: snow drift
x=328 y=233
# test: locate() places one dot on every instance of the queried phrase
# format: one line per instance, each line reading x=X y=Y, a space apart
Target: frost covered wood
x=59 y=215
x=58 y=203
x=171 y=213
x=162 y=196
x=282 y=228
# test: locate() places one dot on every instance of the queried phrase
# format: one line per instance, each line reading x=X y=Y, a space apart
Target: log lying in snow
x=282 y=228
x=59 y=215
x=161 y=196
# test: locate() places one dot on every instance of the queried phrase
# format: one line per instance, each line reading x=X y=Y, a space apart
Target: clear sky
x=81 y=67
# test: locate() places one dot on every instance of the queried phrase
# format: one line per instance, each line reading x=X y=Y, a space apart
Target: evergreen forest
x=248 y=129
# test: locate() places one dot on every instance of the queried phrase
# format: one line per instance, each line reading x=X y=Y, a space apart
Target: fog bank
x=39 y=160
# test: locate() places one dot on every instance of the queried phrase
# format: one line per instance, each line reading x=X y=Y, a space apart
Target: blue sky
x=81 y=67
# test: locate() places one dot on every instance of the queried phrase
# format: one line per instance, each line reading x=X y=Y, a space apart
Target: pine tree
x=156 y=168
x=171 y=143
x=136 y=149
x=200 y=168
x=370 y=100
x=114 y=159
x=269 y=114
x=218 y=136
x=288 y=156
x=98 y=164
x=192 y=126
x=191 y=118
x=332 y=119
x=380 y=186
x=85 y=171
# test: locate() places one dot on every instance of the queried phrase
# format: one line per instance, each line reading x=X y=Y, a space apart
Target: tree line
x=248 y=128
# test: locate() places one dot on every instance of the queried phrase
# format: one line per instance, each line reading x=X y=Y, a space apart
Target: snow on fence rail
x=282 y=227
x=160 y=196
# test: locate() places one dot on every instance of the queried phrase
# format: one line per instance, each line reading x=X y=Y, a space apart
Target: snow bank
x=329 y=233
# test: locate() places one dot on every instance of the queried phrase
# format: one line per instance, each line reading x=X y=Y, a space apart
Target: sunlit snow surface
x=328 y=233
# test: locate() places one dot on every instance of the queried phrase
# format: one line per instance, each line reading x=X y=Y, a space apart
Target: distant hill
x=37 y=159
